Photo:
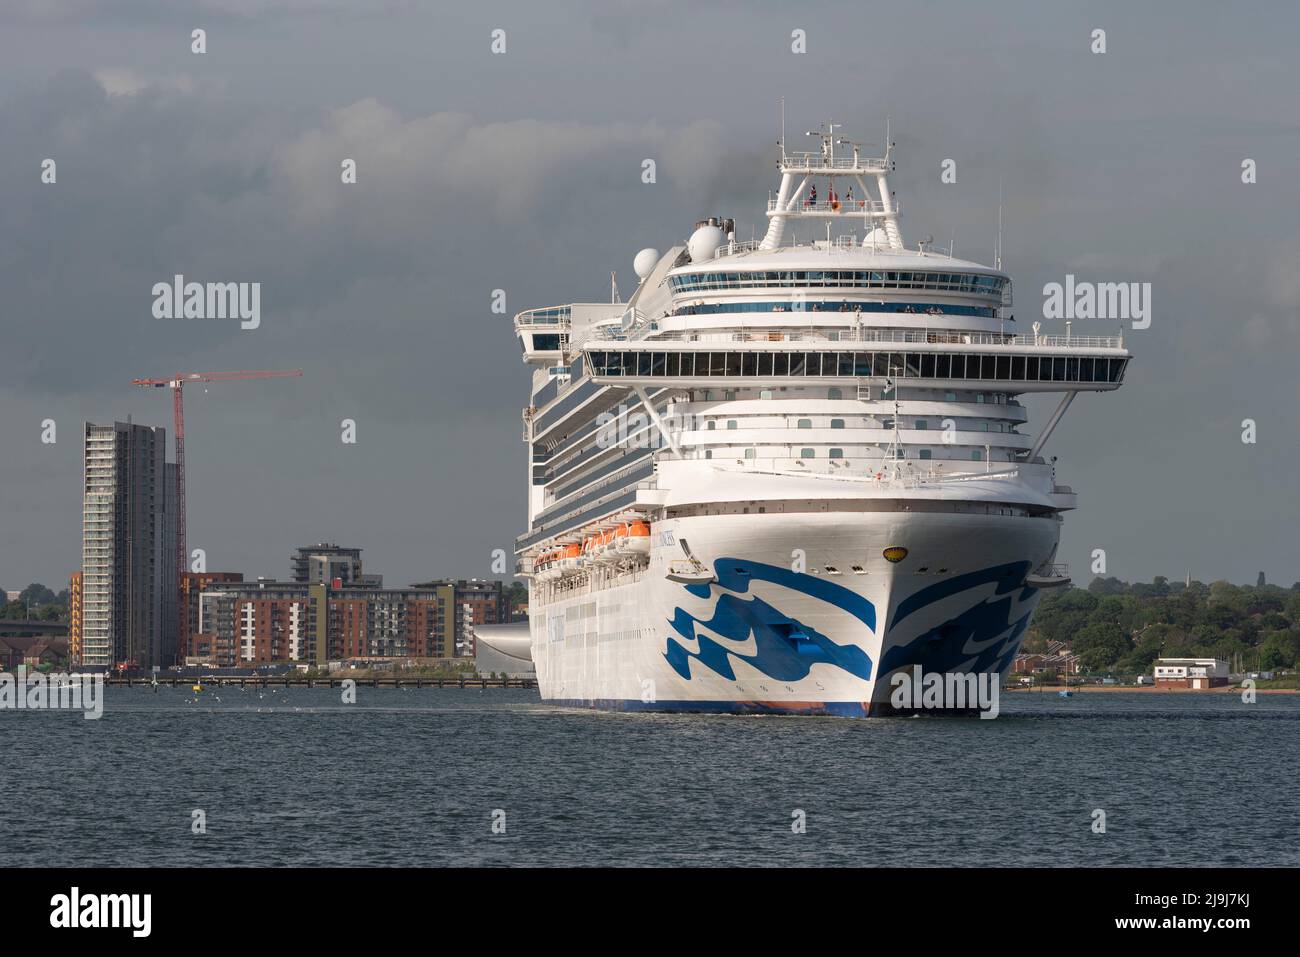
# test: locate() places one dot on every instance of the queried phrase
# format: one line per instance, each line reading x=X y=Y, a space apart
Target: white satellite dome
x=644 y=263
x=704 y=242
x=876 y=237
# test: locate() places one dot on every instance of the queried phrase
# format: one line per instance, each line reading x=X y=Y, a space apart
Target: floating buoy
x=197 y=688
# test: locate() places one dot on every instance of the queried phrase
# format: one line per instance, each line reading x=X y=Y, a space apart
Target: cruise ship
x=785 y=469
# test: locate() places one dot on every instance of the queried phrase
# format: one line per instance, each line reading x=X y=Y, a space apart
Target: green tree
x=1101 y=644
x=1281 y=649
x=36 y=594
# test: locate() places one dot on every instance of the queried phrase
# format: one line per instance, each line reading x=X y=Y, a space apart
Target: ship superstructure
x=784 y=469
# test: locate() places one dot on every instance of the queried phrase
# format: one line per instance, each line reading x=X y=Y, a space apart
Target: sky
x=521 y=171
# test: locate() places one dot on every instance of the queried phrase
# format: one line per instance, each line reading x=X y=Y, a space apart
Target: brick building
x=263 y=622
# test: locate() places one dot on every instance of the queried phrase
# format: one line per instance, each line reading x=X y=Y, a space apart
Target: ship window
x=834 y=394
x=977 y=456
x=780 y=364
x=708 y=453
x=979 y=399
x=749 y=364
x=807 y=453
x=657 y=364
x=921 y=424
x=1018 y=368
x=837 y=453
x=925 y=454
x=643 y=363
x=672 y=364
x=749 y=454
x=862 y=363
x=733 y=363
x=731 y=423
x=765 y=365
x=765 y=394
x=805 y=423
x=837 y=423
x=711 y=426
x=845 y=364
x=1004 y=368
x=1058 y=369
x=798 y=364
x=958 y=370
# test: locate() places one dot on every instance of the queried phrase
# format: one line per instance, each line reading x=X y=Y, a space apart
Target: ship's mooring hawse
x=786 y=469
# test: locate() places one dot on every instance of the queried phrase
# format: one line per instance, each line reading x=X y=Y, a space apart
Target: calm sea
x=415 y=777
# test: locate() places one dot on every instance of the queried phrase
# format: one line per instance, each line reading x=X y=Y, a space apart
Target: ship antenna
x=782 y=129
x=997 y=259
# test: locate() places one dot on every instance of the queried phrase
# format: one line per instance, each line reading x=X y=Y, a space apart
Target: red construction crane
x=177 y=384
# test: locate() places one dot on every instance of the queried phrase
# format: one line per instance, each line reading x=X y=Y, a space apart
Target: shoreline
x=1144 y=689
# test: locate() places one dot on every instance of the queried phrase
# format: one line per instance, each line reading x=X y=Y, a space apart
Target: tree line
x=1115 y=626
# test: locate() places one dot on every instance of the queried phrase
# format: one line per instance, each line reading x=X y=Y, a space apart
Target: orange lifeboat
x=568 y=557
x=638 y=538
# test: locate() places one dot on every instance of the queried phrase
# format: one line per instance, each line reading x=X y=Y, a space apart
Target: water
x=412 y=777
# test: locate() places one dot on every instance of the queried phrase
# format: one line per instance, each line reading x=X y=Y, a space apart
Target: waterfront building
x=1195 y=673
x=331 y=564
x=314 y=623
x=128 y=588
x=476 y=602
x=192 y=585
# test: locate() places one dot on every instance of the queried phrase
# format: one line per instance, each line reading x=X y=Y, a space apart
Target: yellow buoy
x=197 y=688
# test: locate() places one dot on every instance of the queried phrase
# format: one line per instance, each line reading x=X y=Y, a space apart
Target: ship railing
x=905 y=335
x=878 y=474
x=866 y=164
x=544 y=316
x=842 y=205
x=748 y=246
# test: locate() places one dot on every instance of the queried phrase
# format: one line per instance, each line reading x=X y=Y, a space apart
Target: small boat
x=690 y=573
x=1065 y=693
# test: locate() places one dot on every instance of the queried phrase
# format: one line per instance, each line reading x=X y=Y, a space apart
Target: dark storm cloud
x=522 y=173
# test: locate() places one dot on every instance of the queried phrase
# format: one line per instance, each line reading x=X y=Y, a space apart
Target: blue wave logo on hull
x=981 y=638
x=785 y=648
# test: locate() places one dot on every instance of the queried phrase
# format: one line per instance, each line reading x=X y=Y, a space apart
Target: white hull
x=768 y=637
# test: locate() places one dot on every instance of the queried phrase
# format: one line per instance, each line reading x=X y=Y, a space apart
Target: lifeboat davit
x=605 y=553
